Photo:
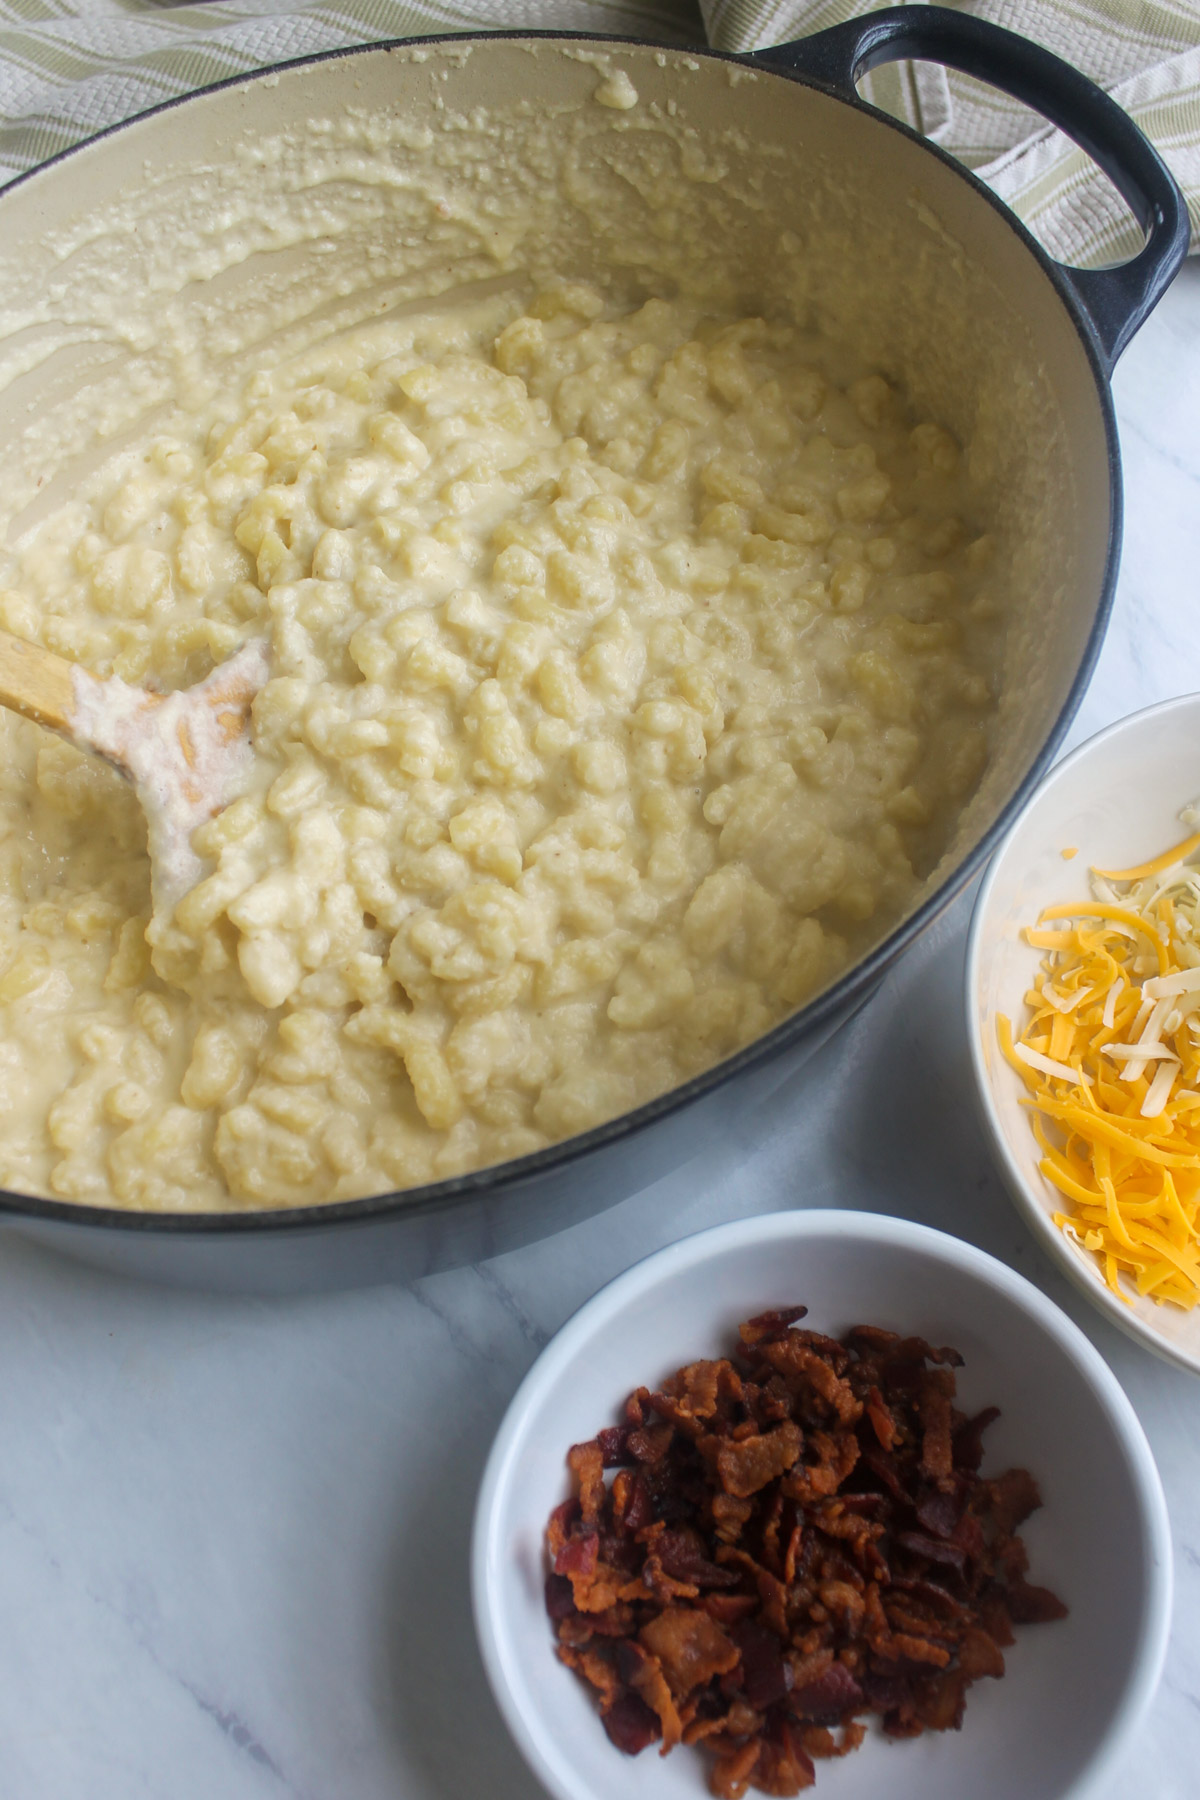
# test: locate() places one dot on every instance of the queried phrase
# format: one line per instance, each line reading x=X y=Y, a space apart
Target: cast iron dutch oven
x=937 y=281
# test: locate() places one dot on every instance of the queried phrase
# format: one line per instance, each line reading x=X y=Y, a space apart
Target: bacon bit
x=820 y=1741
x=937 y=1455
x=730 y=1515
x=651 y=1444
x=560 y=1603
x=635 y=1407
x=643 y=1673
x=979 y=1655
x=968 y=1438
x=939 y=1512
x=766 y=1677
x=654 y=1583
x=830 y=1698
x=586 y=1463
x=877 y=1631
x=917 y=1350
x=770 y=1325
x=576 y=1629
x=844 y=1604
x=731 y=1774
x=1029 y=1605
x=834 y=1352
x=885 y=1471
x=601 y=1592
x=863 y=1506
x=805 y=1369
x=748 y=1467
x=871 y=1338
x=771 y=1591
x=631 y=1504
x=558 y=1529
x=942 y=1701
x=931 y=1594
x=996 y=1620
x=597 y=1669
x=882 y=1422
x=784 y=1765
x=578 y=1555
x=934 y=1550
x=726 y=1588
x=630 y=1723
x=729 y=1609
x=697 y=1388
x=691 y=1647
x=1015 y=1495
x=811 y=1667
x=617 y=1622
x=816 y=1481
x=613 y=1442
x=921 y=1650
x=968 y=1535
x=679 y=1414
x=682 y=1555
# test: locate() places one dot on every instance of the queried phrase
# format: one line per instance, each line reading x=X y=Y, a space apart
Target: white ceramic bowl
x=1116 y=801
x=1074 y=1690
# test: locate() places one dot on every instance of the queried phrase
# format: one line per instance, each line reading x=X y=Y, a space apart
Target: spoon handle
x=37 y=684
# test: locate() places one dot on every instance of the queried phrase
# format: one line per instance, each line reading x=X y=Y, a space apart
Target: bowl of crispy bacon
x=821 y=1498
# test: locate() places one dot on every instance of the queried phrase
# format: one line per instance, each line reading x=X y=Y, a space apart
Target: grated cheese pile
x=1111 y=1057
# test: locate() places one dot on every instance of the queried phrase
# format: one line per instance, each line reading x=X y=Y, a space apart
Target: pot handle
x=1114 y=302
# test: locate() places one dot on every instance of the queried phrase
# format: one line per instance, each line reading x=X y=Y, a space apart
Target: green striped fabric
x=69 y=68
x=1146 y=54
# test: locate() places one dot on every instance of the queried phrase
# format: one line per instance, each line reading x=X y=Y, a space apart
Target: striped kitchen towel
x=70 y=67
x=1145 y=52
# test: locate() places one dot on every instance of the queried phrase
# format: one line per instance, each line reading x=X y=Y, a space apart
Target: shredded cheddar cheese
x=1110 y=1055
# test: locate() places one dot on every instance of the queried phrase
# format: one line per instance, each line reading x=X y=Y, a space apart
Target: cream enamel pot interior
x=202 y=234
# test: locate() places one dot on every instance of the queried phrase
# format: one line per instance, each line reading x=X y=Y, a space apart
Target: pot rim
x=854 y=986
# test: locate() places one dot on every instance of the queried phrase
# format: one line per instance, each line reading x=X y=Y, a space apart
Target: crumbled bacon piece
x=937 y=1456
x=1014 y=1496
x=559 y=1601
x=644 y=1673
x=765 y=1676
x=632 y=1507
x=979 y=1655
x=1033 y=1605
x=690 y=1646
x=630 y=1723
x=612 y=1442
x=578 y=1555
x=586 y=1463
x=595 y=1668
x=747 y=1467
x=770 y=1325
x=968 y=1438
x=939 y=1512
x=830 y=1697
x=882 y=1421
x=793 y=1540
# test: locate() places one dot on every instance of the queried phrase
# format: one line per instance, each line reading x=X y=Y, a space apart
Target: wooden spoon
x=186 y=753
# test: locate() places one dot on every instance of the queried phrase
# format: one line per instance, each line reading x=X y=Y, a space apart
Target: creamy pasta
x=627 y=671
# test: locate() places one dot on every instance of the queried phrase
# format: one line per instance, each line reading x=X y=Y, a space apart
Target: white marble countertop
x=233 y=1534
